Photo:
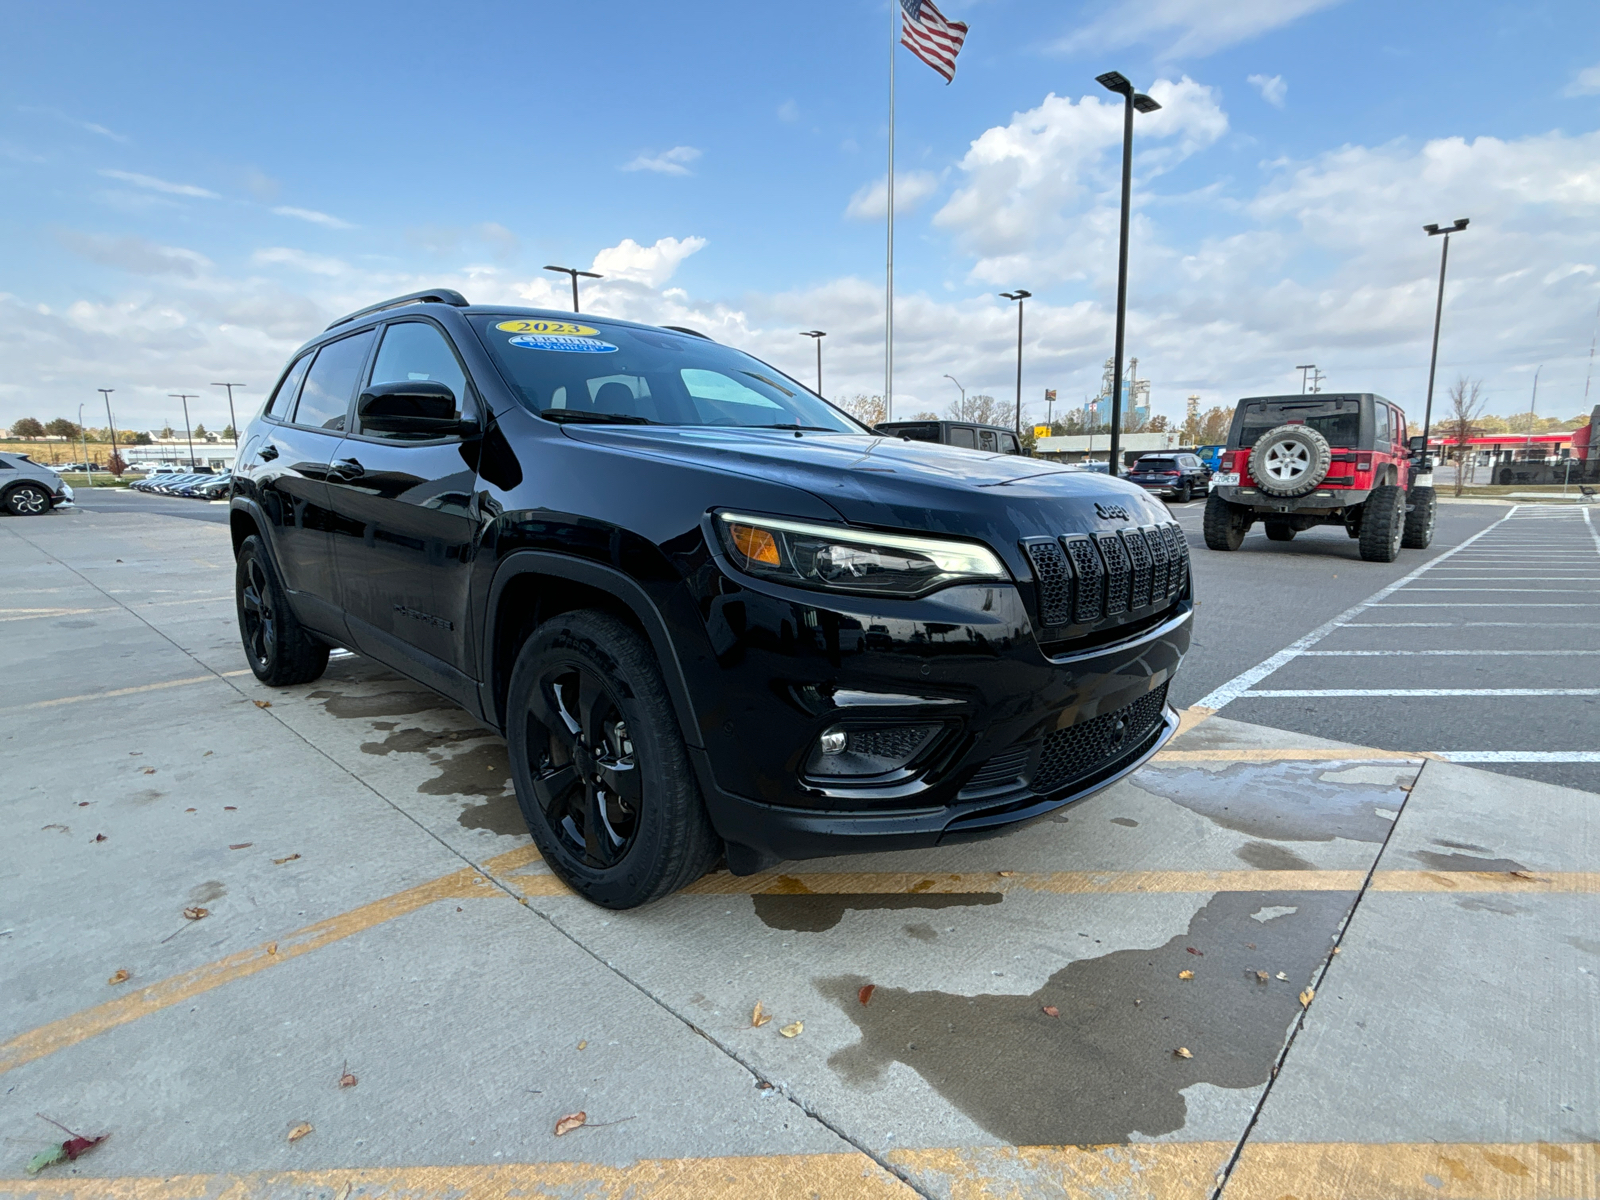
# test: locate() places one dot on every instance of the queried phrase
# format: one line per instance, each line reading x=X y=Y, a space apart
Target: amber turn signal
x=756 y=544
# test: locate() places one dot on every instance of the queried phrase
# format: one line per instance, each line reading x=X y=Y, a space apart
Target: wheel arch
x=531 y=586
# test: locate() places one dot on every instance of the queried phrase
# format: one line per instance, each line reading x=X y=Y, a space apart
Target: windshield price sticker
x=568 y=345
x=552 y=327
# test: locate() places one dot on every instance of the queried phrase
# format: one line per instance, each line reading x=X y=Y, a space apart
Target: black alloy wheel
x=602 y=775
x=279 y=649
x=28 y=500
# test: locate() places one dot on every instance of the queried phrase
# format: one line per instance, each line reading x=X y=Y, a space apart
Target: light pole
x=1303 y=368
x=957 y=382
x=1438 y=312
x=1019 y=296
x=574 y=272
x=110 y=424
x=1117 y=82
x=186 y=397
x=83 y=443
x=233 y=421
x=816 y=335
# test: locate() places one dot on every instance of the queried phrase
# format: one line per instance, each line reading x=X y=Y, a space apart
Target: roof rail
x=433 y=296
x=690 y=332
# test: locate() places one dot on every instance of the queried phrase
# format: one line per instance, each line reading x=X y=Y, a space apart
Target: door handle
x=346 y=468
x=269 y=452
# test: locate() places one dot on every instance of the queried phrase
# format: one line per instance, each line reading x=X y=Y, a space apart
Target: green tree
x=200 y=432
x=27 y=427
x=133 y=437
x=229 y=434
x=63 y=428
x=1214 y=426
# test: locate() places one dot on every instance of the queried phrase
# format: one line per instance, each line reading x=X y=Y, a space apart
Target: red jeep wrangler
x=1292 y=462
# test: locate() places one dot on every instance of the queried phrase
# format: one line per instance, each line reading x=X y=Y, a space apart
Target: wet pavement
x=1268 y=961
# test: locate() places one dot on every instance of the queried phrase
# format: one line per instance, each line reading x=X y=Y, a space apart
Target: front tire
x=1422 y=510
x=27 y=500
x=1383 y=522
x=280 y=651
x=602 y=776
x=1225 y=524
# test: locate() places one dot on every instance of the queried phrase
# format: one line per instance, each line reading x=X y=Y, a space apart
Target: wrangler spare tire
x=1290 y=461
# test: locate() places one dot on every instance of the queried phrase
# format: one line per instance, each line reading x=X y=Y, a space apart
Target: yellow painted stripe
x=130 y=1006
x=1292 y=754
x=1435 y=1171
x=756 y=1177
x=1146 y=1171
x=127 y=691
x=1192 y=716
x=33 y=614
x=1569 y=883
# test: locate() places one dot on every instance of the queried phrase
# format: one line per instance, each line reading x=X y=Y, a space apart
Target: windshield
x=1337 y=420
x=602 y=373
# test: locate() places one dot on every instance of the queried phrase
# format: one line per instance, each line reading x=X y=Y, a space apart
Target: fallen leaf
x=1305 y=996
x=1261 y=977
x=1523 y=875
x=1338 y=950
x=348 y=1080
x=83 y=804
x=583 y=1045
x=62 y=828
x=1183 y=1052
x=272 y=947
x=299 y=1131
x=278 y=862
x=865 y=994
x=208 y=754
x=99 y=837
x=75 y=1146
x=1197 y=953
x=121 y=975
x=1249 y=945
x=1185 y=974
x=196 y=913
x=188 y=810
x=65 y=1151
x=1281 y=975
x=344 y=1192
x=1005 y=874
x=263 y=704
x=46 y=1158
x=1050 y=1010
x=149 y=770
x=230 y=808
x=570 y=1122
x=794 y=1030
x=759 y=1017
x=241 y=846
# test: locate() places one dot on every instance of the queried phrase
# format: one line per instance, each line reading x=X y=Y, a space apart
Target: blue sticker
x=570 y=345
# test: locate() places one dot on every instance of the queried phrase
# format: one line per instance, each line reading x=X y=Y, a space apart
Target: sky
x=188 y=191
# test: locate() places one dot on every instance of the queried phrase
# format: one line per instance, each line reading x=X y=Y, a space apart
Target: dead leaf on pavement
x=1306 y=997
x=1185 y=974
x=583 y=1045
x=1262 y=977
x=1050 y=1010
x=759 y=1016
x=1338 y=950
x=272 y=947
x=1197 y=953
x=299 y=1131
x=1523 y=875
x=346 y=1079
x=149 y=770
x=262 y=703
x=794 y=1030
x=241 y=846
x=1005 y=874
x=1281 y=975
x=1183 y=1052
x=122 y=975
x=278 y=862
x=865 y=994
x=196 y=913
x=99 y=837
x=570 y=1122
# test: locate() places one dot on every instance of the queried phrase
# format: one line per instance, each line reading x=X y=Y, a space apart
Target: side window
x=282 y=402
x=1008 y=444
x=986 y=440
x=962 y=435
x=1383 y=422
x=413 y=351
x=325 y=398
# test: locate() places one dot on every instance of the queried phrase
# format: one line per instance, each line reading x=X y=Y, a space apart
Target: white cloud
x=1272 y=88
x=315 y=264
x=87 y=126
x=649 y=265
x=788 y=111
x=312 y=215
x=1186 y=28
x=134 y=254
x=911 y=188
x=159 y=185
x=668 y=162
x=1585 y=83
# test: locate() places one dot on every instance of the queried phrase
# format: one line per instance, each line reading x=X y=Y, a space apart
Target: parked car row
x=209 y=486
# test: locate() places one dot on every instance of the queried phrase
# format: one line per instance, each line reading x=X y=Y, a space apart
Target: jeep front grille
x=1084 y=748
x=1083 y=581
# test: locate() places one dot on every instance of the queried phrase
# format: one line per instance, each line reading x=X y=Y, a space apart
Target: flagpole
x=888 y=328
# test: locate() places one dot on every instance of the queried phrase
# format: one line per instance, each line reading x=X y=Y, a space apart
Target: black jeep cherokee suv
x=711 y=614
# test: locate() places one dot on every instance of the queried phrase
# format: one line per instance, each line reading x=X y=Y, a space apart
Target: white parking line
x=1463 y=653
x=1520 y=756
x=1541 y=591
x=1485 y=604
x=1419 y=693
x=1470 y=625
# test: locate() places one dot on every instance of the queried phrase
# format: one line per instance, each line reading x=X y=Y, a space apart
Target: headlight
x=852 y=560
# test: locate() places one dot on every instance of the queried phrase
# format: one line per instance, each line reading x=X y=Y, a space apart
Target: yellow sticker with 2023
x=562 y=328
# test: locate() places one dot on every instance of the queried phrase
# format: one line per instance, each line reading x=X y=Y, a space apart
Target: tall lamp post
x=186 y=397
x=1019 y=296
x=1303 y=368
x=232 y=419
x=1117 y=82
x=83 y=443
x=963 y=391
x=574 y=272
x=110 y=424
x=1438 y=312
x=816 y=335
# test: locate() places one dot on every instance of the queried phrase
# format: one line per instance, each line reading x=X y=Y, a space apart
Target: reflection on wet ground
x=1284 y=801
x=813 y=914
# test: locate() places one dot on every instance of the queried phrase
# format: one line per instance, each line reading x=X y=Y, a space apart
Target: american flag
x=926 y=32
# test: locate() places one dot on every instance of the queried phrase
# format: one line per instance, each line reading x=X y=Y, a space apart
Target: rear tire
x=1185 y=494
x=602 y=776
x=1278 y=531
x=1383 y=520
x=280 y=651
x=1225 y=524
x=1422 y=509
x=27 y=500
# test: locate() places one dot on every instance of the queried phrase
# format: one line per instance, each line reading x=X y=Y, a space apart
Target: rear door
x=406 y=522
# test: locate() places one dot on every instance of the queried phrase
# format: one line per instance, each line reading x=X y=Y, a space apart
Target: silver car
x=28 y=489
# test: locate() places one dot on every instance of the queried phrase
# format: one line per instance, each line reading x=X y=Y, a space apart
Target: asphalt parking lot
x=1301 y=954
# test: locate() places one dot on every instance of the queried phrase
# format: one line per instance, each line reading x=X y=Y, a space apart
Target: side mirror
x=420 y=408
x=1418 y=445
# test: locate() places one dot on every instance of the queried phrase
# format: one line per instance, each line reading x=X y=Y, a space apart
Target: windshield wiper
x=576 y=415
x=813 y=428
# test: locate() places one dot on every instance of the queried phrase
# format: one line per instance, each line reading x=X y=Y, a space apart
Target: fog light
x=862 y=753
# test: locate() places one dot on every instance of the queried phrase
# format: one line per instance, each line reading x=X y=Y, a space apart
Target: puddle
x=1105 y=1069
x=1264 y=856
x=1465 y=862
x=815 y=913
x=922 y=931
x=212 y=889
x=1283 y=802
x=480 y=769
x=419 y=741
x=384 y=704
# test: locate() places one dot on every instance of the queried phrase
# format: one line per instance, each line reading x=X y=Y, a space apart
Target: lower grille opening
x=1082 y=749
x=1002 y=771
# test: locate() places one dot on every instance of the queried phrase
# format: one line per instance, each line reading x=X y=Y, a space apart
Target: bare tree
x=1466 y=406
x=1191 y=421
x=1214 y=426
x=977 y=408
x=925 y=416
x=869 y=410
